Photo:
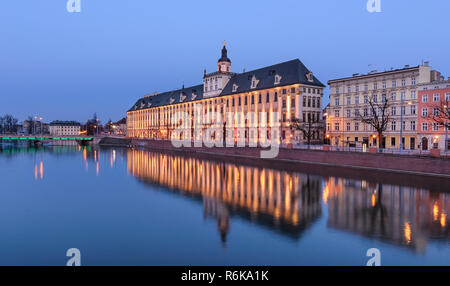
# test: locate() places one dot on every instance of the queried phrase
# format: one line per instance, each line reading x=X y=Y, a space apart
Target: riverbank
x=389 y=163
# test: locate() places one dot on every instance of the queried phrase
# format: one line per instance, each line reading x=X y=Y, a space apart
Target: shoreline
x=386 y=163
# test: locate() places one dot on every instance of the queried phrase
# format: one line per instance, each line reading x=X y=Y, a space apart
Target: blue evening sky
x=67 y=66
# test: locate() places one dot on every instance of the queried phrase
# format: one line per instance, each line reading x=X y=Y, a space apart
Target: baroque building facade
x=284 y=91
x=349 y=100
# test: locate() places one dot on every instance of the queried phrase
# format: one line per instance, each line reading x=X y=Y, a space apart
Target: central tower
x=215 y=82
x=224 y=63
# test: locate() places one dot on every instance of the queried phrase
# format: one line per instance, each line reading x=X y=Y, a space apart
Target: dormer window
x=310 y=77
x=172 y=100
x=194 y=96
x=149 y=104
x=142 y=105
x=182 y=97
x=277 y=79
x=254 y=82
x=235 y=87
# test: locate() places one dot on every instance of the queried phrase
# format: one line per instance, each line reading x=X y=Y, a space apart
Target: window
x=393 y=125
x=275 y=97
x=375 y=98
x=424 y=126
x=436 y=111
x=435 y=126
x=393 y=96
x=403 y=82
x=337 y=90
x=366 y=87
x=403 y=95
x=348 y=113
x=349 y=89
x=384 y=85
x=356 y=112
x=413 y=110
x=375 y=86
x=366 y=99
x=239 y=101
x=259 y=98
x=357 y=88
x=293 y=102
x=447 y=97
x=425 y=98
x=336 y=126
x=436 y=97
x=365 y=112
x=403 y=110
x=383 y=97
x=336 y=113
x=393 y=141
x=413 y=94
x=267 y=97
x=284 y=103
x=253 y=99
x=284 y=91
x=394 y=83
x=424 y=112
x=393 y=111
x=347 y=126
x=348 y=100
x=413 y=125
x=403 y=125
x=356 y=127
x=356 y=100
x=413 y=81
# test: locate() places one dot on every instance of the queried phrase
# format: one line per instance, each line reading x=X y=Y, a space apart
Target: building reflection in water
x=399 y=215
x=282 y=201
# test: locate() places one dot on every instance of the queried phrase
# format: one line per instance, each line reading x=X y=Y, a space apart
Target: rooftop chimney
x=427 y=63
x=406 y=66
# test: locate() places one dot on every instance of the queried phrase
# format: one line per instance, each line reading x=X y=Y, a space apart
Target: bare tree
x=440 y=114
x=307 y=127
x=377 y=116
x=9 y=124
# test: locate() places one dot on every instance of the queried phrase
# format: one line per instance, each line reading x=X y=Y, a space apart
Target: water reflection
x=282 y=201
x=400 y=215
x=290 y=202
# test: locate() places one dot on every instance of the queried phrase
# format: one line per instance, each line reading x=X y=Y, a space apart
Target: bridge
x=82 y=140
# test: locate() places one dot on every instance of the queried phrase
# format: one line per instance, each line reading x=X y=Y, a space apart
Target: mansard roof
x=192 y=93
x=290 y=72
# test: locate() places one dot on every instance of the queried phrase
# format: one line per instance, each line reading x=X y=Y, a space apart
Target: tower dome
x=224 y=63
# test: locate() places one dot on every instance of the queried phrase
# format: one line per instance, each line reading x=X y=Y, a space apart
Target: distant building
x=120 y=127
x=349 y=99
x=64 y=128
x=289 y=90
x=432 y=96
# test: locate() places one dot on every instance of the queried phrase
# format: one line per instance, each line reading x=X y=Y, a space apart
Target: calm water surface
x=136 y=207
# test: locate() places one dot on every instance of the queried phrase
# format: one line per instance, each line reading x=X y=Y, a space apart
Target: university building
x=349 y=100
x=287 y=90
